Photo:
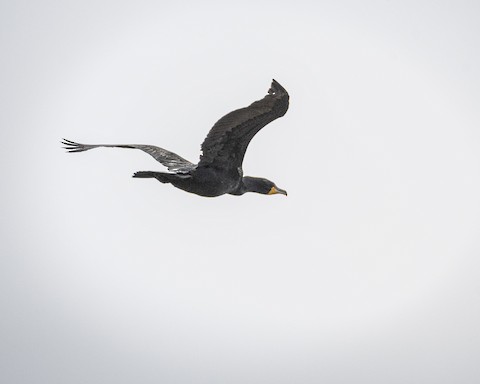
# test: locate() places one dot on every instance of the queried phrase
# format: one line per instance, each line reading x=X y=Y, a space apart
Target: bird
x=219 y=170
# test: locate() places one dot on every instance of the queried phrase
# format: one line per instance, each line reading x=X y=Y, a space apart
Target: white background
x=366 y=273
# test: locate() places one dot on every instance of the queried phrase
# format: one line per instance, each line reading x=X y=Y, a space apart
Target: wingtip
x=68 y=143
x=276 y=88
x=73 y=147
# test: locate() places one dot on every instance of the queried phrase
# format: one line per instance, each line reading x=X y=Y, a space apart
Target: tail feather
x=149 y=175
x=160 y=176
x=144 y=174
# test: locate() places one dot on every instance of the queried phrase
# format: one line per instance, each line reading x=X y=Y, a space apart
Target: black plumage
x=219 y=170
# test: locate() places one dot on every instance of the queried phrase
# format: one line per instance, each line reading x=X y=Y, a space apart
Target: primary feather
x=169 y=159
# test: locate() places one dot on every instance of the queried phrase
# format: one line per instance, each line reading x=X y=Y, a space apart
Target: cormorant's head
x=263 y=186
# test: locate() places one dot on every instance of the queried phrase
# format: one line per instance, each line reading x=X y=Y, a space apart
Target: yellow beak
x=274 y=191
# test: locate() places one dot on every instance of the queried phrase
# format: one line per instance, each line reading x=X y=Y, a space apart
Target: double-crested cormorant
x=219 y=170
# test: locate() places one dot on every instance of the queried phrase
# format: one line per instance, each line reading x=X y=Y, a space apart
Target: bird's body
x=219 y=170
x=202 y=181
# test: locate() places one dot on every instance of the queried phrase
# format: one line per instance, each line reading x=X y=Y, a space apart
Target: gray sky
x=366 y=273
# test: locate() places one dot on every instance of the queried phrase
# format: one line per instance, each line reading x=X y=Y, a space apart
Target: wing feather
x=172 y=161
x=227 y=141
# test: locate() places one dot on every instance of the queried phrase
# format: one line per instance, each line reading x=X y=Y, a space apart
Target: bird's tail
x=160 y=176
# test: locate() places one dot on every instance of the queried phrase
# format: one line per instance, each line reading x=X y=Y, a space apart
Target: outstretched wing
x=227 y=142
x=169 y=159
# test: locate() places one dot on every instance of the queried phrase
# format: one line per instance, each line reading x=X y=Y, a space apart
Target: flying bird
x=219 y=170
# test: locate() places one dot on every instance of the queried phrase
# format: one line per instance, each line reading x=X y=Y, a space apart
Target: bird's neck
x=247 y=184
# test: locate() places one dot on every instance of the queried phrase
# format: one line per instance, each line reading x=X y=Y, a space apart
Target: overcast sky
x=366 y=273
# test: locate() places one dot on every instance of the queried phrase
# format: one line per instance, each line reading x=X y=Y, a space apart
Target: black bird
x=219 y=170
